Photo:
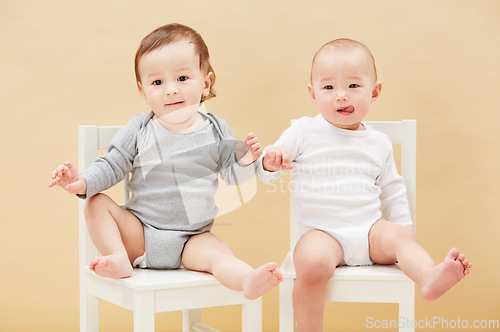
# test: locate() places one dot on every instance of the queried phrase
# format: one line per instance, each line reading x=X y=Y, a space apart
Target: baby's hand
x=254 y=150
x=67 y=177
x=277 y=159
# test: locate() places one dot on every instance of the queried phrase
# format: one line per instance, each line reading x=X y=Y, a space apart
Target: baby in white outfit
x=350 y=200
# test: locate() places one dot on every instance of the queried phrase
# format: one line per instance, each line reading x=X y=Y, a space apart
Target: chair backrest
x=403 y=133
x=91 y=139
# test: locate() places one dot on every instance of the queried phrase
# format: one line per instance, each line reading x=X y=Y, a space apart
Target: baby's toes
x=93 y=263
x=466 y=265
x=104 y=262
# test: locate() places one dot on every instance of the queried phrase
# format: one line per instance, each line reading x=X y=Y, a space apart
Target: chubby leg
x=391 y=242
x=205 y=252
x=117 y=234
x=315 y=257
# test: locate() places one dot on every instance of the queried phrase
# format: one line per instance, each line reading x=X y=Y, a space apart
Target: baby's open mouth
x=346 y=110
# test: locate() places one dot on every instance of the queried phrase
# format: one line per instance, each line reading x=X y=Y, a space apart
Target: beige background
x=66 y=63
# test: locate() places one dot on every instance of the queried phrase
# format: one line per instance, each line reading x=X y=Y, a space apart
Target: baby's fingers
x=250 y=137
x=273 y=158
x=257 y=150
x=254 y=146
x=55 y=173
x=71 y=168
x=54 y=183
x=60 y=171
x=286 y=160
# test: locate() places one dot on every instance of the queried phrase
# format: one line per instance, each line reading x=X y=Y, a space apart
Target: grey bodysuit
x=174 y=180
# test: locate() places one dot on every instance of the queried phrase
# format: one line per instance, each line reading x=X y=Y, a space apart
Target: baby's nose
x=171 y=89
x=342 y=96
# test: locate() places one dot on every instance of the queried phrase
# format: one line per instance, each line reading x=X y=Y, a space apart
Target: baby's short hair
x=346 y=45
x=172 y=33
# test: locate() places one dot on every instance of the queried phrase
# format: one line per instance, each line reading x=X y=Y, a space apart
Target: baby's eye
x=182 y=78
x=353 y=86
x=157 y=82
x=328 y=87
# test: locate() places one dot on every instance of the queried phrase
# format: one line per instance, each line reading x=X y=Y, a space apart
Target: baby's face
x=172 y=82
x=343 y=85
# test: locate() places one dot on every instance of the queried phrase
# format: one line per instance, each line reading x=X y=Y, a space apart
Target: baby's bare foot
x=111 y=266
x=445 y=275
x=261 y=280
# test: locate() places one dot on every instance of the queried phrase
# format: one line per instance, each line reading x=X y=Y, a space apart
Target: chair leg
x=287 y=317
x=144 y=312
x=407 y=307
x=89 y=312
x=252 y=316
x=189 y=318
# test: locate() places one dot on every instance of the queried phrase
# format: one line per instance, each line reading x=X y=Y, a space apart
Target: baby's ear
x=141 y=90
x=311 y=91
x=376 y=91
x=208 y=83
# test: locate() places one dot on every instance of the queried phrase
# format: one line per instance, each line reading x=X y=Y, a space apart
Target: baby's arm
x=395 y=206
x=67 y=177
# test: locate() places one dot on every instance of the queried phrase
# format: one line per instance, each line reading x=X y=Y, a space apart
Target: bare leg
x=390 y=242
x=315 y=256
x=117 y=235
x=205 y=252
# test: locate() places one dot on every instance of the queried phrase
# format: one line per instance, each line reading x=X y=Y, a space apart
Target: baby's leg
x=315 y=257
x=205 y=252
x=390 y=242
x=117 y=234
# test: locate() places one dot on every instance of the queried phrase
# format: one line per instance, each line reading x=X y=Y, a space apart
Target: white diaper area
x=353 y=242
x=140 y=262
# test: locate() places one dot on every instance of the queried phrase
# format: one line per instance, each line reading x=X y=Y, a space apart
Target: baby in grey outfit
x=175 y=154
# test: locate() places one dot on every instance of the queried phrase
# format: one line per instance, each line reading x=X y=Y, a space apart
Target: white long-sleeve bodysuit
x=343 y=182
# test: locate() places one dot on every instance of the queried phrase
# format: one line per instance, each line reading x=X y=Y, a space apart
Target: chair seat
x=149 y=279
x=372 y=272
x=173 y=290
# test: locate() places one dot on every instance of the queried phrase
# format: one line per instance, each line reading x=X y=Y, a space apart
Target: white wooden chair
x=376 y=283
x=148 y=291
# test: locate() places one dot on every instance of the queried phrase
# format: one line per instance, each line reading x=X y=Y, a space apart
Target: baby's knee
x=399 y=234
x=95 y=204
x=314 y=269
